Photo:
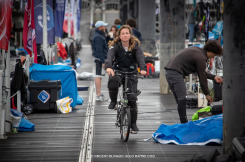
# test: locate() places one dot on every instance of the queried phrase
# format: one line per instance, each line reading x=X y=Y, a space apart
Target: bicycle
x=123 y=109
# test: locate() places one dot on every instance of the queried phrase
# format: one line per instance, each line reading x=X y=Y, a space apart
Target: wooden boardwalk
x=58 y=137
x=153 y=110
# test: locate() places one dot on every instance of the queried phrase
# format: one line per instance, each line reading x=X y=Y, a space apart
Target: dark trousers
x=132 y=97
x=177 y=85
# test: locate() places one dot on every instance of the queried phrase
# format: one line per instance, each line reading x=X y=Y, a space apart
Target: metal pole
x=2 y=111
x=15 y=37
x=69 y=18
x=27 y=68
x=55 y=54
x=19 y=101
x=7 y=90
x=190 y=82
x=103 y=10
x=92 y=12
x=21 y=34
x=74 y=17
x=45 y=30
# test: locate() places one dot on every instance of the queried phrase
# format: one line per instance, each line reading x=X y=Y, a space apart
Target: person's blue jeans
x=191 y=32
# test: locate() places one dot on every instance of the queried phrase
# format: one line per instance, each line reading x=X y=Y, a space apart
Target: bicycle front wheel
x=125 y=124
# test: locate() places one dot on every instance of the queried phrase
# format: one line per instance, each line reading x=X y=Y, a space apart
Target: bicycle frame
x=125 y=90
x=123 y=110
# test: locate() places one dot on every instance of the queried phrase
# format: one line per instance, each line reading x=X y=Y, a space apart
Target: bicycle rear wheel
x=125 y=124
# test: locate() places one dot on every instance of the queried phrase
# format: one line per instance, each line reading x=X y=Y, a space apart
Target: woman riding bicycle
x=124 y=55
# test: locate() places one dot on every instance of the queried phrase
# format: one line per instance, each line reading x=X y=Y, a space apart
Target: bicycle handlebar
x=132 y=72
x=124 y=72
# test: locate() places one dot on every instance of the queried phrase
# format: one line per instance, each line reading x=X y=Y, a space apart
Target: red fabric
x=5 y=23
x=211 y=63
x=61 y=50
x=13 y=104
x=65 y=24
x=149 y=65
x=29 y=36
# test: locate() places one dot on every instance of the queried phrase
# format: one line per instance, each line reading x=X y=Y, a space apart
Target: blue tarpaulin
x=23 y=125
x=200 y=132
x=65 y=74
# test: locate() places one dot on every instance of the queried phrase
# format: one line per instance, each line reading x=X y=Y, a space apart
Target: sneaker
x=134 y=128
x=112 y=105
x=100 y=98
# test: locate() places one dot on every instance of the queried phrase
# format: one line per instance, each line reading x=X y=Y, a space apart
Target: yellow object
x=63 y=105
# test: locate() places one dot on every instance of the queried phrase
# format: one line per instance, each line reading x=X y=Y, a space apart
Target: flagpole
x=6 y=93
x=103 y=10
x=92 y=12
x=45 y=31
x=69 y=18
x=2 y=111
x=74 y=17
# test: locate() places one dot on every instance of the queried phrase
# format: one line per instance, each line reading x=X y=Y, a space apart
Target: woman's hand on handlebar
x=110 y=71
x=143 y=72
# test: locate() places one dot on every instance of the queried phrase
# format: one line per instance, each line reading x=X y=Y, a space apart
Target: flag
x=38 y=13
x=78 y=14
x=76 y=8
x=5 y=23
x=69 y=14
x=75 y=13
x=74 y=17
x=59 y=17
x=29 y=36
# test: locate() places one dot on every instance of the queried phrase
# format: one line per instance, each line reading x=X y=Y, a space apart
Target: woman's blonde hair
x=132 y=40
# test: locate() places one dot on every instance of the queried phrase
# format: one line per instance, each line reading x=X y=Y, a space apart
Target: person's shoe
x=97 y=98
x=134 y=128
x=100 y=98
x=112 y=105
x=138 y=92
x=183 y=120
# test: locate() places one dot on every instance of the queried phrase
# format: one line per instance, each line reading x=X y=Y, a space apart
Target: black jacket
x=99 y=46
x=125 y=60
x=137 y=34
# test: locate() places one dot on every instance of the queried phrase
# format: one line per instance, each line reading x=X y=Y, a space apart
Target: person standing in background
x=135 y=32
x=112 y=34
x=117 y=22
x=100 y=50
